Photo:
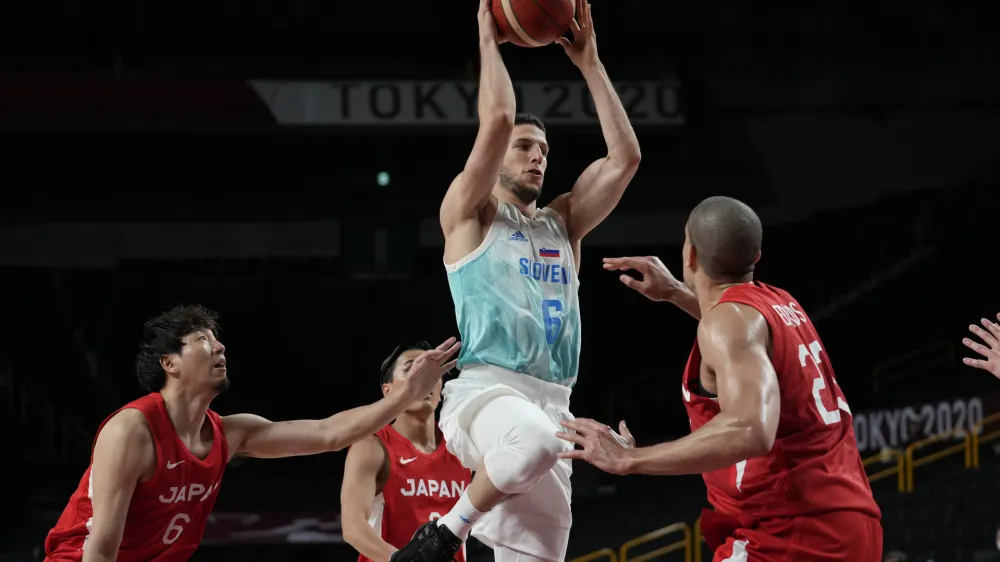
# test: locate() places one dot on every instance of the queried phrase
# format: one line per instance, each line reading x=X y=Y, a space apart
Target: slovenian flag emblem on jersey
x=547 y=253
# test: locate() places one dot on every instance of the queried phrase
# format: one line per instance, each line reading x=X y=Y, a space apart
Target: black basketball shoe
x=431 y=543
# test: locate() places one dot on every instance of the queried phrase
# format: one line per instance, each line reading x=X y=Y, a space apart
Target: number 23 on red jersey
x=812 y=351
x=811 y=354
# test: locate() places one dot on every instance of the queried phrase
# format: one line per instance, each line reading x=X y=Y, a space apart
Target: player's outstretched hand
x=600 y=445
x=991 y=350
x=428 y=368
x=582 y=50
x=657 y=283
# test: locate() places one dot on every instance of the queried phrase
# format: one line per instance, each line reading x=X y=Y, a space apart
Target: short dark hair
x=727 y=235
x=389 y=364
x=529 y=119
x=164 y=335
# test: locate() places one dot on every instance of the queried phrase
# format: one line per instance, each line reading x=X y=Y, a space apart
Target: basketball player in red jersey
x=401 y=477
x=158 y=462
x=771 y=430
x=990 y=336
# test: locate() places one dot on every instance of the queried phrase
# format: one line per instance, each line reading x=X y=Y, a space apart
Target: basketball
x=533 y=23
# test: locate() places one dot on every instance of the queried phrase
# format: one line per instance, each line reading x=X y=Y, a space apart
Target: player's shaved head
x=726 y=235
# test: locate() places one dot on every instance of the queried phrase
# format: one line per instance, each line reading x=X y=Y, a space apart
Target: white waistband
x=543 y=393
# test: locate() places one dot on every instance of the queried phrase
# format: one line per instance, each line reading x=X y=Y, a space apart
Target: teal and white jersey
x=516 y=298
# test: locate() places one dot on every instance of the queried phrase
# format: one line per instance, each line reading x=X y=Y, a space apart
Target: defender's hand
x=657 y=283
x=624 y=436
x=582 y=50
x=428 y=368
x=601 y=446
x=990 y=351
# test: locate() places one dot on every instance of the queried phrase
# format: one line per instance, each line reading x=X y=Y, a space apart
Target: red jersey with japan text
x=168 y=513
x=421 y=487
x=814 y=465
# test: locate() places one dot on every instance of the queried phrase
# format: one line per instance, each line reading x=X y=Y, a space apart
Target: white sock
x=461 y=517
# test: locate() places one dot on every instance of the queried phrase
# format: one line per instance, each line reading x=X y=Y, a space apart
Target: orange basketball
x=533 y=23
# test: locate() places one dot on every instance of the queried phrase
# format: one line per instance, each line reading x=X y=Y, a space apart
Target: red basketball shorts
x=839 y=536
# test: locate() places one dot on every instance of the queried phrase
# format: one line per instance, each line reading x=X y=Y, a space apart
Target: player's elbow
x=498 y=120
x=624 y=162
x=759 y=440
x=335 y=441
x=100 y=548
x=335 y=434
x=349 y=530
x=630 y=159
x=351 y=524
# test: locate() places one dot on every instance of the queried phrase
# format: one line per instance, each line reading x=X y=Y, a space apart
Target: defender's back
x=814 y=465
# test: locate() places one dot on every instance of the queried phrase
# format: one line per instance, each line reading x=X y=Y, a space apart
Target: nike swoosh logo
x=407 y=461
x=172 y=465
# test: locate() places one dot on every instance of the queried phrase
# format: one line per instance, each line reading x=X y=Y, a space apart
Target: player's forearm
x=366 y=541
x=623 y=146
x=496 y=92
x=722 y=442
x=350 y=426
x=686 y=300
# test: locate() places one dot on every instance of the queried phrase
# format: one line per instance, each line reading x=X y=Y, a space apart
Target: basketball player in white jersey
x=990 y=336
x=512 y=269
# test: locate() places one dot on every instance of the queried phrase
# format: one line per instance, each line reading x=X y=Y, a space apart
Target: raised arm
x=365 y=472
x=733 y=340
x=471 y=189
x=123 y=453
x=657 y=283
x=253 y=436
x=600 y=187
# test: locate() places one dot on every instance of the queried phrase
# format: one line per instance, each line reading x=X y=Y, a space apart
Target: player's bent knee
x=547 y=447
x=538 y=451
x=522 y=459
x=519 y=443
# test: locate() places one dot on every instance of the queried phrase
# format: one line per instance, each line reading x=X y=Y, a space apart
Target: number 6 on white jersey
x=812 y=352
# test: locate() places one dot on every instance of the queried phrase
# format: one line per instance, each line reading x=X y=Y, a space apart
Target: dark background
x=143 y=170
